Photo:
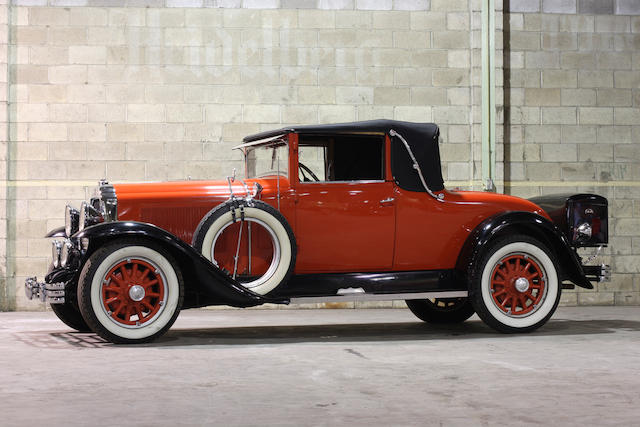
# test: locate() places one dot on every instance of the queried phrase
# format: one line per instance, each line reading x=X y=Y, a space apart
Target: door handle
x=387 y=202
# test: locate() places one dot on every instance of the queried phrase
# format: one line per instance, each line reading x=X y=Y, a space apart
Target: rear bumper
x=597 y=273
x=52 y=293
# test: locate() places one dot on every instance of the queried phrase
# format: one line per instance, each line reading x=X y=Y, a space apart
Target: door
x=345 y=210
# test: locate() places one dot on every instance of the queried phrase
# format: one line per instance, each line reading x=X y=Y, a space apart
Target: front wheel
x=70 y=316
x=515 y=286
x=130 y=292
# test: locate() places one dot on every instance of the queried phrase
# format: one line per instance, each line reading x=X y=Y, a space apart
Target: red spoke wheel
x=133 y=292
x=518 y=284
x=514 y=284
x=130 y=291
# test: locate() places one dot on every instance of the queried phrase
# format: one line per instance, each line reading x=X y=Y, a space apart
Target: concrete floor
x=325 y=367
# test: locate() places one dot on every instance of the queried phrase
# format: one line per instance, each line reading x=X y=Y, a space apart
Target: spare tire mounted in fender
x=225 y=233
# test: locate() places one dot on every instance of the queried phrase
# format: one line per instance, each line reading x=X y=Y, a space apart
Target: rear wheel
x=441 y=310
x=515 y=286
x=130 y=291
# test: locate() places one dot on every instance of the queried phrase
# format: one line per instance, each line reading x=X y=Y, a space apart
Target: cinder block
x=542 y=59
x=595 y=79
x=121 y=93
x=626 y=79
x=145 y=151
x=317 y=18
x=559 y=78
x=429 y=58
x=170 y=132
x=595 y=116
x=354 y=95
x=68 y=112
x=559 y=6
x=626 y=116
x=391 y=96
x=391 y=20
x=125 y=132
x=130 y=17
x=87 y=132
x=559 y=115
x=545 y=134
x=427 y=20
x=458 y=21
x=578 y=60
x=523 y=6
x=165 y=17
x=628 y=7
x=300 y=114
x=317 y=95
x=374 y=4
x=47 y=93
x=48 y=16
x=413 y=113
x=61 y=36
x=145 y=113
x=87 y=54
x=546 y=97
x=559 y=41
x=613 y=24
x=451 y=77
x=614 y=97
x=596 y=7
x=88 y=16
x=184 y=113
x=578 y=97
x=450 y=39
x=614 y=134
x=580 y=134
x=336 y=113
x=451 y=115
x=449 y=5
x=106 y=113
x=429 y=96
x=48 y=132
x=106 y=36
x=354 y=19
x=412 y=4
x=275 y=19
x=595 y=153
x=542 y=171
x=412 y=77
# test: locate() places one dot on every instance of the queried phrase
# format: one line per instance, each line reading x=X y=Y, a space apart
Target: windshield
x=268 y=160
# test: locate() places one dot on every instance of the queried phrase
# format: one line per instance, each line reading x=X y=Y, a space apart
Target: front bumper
x=53 y=293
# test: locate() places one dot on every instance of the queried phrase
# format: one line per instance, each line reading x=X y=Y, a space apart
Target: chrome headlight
x=89 y=216
x=71 y=220
x=56 y=249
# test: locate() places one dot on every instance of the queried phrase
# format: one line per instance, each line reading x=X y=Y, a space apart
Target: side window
x=341 y=158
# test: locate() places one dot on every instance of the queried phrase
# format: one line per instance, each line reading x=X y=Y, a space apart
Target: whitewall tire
x=130 y=291
x=207 y=240
x=515 y=285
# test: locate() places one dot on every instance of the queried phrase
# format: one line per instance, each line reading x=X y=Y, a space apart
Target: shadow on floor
x=260 y=335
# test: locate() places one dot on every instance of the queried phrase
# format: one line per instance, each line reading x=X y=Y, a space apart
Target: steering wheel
x=304 y=168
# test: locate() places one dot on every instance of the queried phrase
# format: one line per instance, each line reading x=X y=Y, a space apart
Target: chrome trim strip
x=350 y=297
x=363 y=181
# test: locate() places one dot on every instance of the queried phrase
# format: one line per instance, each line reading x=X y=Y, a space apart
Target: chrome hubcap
x=522 y=284
x=136 y=293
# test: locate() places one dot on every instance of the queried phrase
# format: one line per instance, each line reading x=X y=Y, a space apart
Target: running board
x=361 y=296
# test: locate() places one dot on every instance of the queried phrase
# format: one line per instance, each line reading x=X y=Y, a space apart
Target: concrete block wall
x=572 y=118
x=137 y=90
x=140 y=91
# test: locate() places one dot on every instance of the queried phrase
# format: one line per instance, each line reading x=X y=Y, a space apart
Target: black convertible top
x=421 y=137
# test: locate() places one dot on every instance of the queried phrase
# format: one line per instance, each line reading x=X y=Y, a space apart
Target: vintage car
x=338 y=212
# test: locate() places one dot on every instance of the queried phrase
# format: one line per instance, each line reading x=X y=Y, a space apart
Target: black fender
x=208 y=284
x=533 y=225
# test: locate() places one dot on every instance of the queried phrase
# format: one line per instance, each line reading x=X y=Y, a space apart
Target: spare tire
x=250 y=240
